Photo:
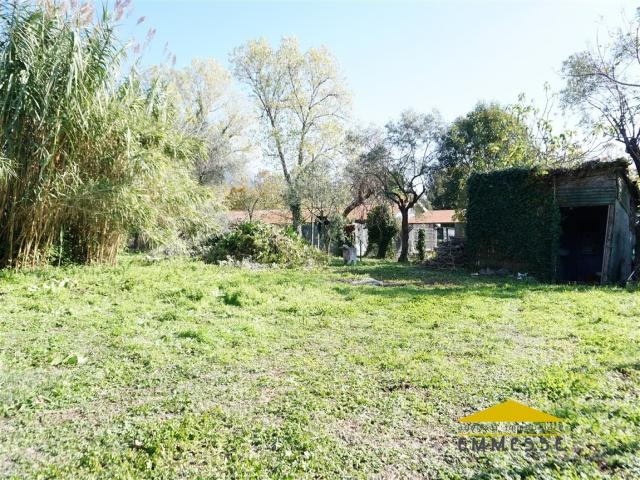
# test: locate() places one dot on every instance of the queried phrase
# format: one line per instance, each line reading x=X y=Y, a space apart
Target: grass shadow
x=416 y=280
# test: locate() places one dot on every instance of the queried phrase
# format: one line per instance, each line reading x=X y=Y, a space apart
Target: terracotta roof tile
x=435 y=216
x=283 y=217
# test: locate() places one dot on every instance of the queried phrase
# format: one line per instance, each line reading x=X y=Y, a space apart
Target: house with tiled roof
x=439 y=225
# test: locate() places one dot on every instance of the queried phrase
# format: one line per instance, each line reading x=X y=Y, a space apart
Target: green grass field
x=176 y=369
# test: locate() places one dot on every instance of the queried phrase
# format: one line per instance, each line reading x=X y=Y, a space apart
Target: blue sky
x=422 y=55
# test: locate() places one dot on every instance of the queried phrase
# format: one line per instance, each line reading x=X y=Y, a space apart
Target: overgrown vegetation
x=261 y=243
x=180 y=369
x=513 y=221
x=87 y=156
x=381 y=230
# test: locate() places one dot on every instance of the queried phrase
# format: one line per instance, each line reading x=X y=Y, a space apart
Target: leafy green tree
x=487 y=138
x=381 y=229
x=401 y=164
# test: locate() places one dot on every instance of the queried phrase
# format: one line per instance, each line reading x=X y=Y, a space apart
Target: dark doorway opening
x=582 y=244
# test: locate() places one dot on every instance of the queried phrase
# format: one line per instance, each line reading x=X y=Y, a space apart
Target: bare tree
x=301 y=101
x=324 y=193
x=603 y=84
x=264 y=191
x=212 y=110
x=546 y=145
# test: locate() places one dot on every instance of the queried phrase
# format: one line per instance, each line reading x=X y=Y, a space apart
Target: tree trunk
x=404 y=236
x=633 y=149
x=356 y=202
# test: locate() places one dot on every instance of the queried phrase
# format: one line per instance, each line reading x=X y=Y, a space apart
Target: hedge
x=513 y=221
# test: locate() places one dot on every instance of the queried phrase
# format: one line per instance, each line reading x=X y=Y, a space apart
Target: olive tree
x=402 y=163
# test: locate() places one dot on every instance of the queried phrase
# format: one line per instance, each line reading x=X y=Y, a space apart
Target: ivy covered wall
x=513 y=221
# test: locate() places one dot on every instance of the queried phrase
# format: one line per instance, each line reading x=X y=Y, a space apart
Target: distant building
x=358 y=227
x=439 y=225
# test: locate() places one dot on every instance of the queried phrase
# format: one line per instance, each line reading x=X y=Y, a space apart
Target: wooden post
x=608 y=239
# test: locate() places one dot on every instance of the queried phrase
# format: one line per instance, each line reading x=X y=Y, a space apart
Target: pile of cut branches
x=448 y=255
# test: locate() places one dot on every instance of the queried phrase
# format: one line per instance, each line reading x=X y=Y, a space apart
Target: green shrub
x=381 y=229
x=421 y=244
x=260 y=243
x=191 y=334
x=242 y=296
x=232 y=297
x=336 y=236
x=168 y=316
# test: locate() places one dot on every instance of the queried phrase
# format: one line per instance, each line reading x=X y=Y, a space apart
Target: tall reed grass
x=88 y=154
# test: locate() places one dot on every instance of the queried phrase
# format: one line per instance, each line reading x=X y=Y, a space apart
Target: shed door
x=582 y=241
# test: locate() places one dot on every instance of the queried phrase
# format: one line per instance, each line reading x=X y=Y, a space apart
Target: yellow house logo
x=538 y=436
x=509 y=411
